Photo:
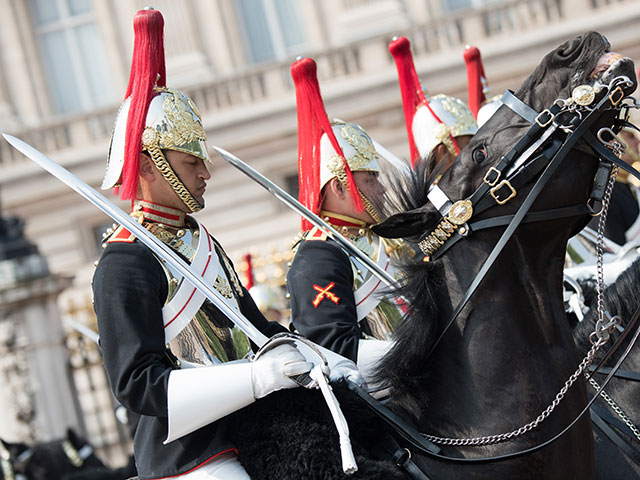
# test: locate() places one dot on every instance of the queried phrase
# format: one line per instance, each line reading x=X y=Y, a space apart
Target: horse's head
x=574 y=77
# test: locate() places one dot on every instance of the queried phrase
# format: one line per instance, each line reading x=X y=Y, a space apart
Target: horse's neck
x=532 y=265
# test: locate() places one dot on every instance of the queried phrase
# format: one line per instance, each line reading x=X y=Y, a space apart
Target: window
x=73 y=55
x=272 y=28
x=291 y=185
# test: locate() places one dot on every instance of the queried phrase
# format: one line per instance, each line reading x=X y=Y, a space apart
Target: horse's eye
x=479 y=155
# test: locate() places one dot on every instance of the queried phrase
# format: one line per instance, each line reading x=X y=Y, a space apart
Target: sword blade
x=297 y=207
x=154 y=244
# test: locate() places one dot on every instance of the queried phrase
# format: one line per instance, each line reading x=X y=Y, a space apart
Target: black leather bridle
x=546 y=161
x=548 y=142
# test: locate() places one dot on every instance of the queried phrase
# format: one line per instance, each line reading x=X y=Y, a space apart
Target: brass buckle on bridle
x=617 y=91
x=494 y=192
x=491 y=182
x=541 y=122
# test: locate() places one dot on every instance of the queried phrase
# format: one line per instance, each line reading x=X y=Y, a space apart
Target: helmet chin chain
x=172 y=179
x=368 y=206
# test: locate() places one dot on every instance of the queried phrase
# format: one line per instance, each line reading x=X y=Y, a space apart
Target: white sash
x=365 y=296
x=187 y=300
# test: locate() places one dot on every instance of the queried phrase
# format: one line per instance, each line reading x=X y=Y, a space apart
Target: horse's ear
x=406 y=224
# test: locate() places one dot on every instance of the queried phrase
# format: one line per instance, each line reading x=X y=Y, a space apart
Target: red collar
x=159 y=213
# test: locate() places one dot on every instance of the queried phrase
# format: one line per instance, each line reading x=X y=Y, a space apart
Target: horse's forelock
x=563 y=69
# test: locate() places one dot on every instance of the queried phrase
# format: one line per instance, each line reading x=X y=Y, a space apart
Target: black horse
x=67 y=458
x=510 y=350
x=613 y=460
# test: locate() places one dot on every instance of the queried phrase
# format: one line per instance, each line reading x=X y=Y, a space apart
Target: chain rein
x=598 y=337
x=601 y=326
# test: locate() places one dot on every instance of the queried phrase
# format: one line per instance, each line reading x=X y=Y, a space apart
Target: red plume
x=147 y=70
x=476 y=81
x=312 y=123
x=410 y=88
x=247 y=258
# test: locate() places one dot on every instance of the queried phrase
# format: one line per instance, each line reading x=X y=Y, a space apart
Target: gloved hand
x=342 y=367
x=272 y=370
x=345 y=368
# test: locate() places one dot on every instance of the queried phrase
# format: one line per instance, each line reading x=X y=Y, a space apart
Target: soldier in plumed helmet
x=438 y=125
x=172 y=356
x=335 y=300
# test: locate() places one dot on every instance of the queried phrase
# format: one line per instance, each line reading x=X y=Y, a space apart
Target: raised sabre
x=296 y=206
x=154 y=244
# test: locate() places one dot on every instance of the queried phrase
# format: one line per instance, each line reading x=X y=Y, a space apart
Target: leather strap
x=559 y=156
x=622 y=374
x=401 y=457
x=422 y=445
x=602 y=419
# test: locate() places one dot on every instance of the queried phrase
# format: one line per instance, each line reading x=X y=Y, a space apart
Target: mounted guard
x=171 y=355
x=440 y=125
x=335 y=300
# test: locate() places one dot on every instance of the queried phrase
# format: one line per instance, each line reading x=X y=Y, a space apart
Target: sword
x=84 y=330
x=296 y=206
x=154 y=244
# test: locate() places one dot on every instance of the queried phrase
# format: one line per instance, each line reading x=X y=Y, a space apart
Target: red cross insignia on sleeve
x=325 y=293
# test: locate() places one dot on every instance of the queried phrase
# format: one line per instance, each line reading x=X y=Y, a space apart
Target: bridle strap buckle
x=492 y=181
x=495 y=192
x=615 y=100
x=541 y=121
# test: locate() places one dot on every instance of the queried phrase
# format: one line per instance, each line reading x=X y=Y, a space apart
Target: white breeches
x=223 y=467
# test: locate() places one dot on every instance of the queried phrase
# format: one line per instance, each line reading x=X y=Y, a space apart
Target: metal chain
x=490 y=439
x=600 y=331
x=616 y=408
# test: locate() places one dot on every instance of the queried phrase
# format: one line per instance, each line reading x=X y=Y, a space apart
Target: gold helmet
x=430 y=121
x=152 y=117
x=328 y=149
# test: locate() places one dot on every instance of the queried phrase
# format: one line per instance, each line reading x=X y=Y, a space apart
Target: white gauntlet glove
x=199 y=396
x=273 y=370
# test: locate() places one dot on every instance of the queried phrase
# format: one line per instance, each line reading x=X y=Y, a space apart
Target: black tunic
x=130 y=289
x=321 y=266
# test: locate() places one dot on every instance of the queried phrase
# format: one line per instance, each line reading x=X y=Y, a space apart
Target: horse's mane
x=409 y=192
x=620 y=298
x=402 y=368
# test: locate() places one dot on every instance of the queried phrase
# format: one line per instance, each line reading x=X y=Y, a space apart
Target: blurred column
x=36 y=394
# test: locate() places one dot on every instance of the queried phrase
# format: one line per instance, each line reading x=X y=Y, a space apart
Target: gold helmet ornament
x=478 y=87
x=430 y=121
x=152 y=117
x=328 y=149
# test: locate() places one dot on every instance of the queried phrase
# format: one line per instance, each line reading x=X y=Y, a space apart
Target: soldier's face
x=193 y=173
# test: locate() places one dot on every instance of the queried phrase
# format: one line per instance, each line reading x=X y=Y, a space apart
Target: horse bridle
x=514 y=170
x=456 y=216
